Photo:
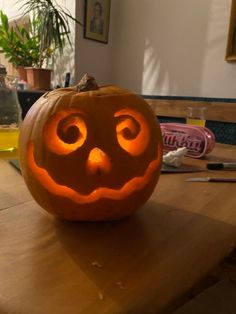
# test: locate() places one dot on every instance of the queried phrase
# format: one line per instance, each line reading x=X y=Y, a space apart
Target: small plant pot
x=22 y=73
x=39 y=79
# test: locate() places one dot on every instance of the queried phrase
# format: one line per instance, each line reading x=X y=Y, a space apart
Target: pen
x=221 y=165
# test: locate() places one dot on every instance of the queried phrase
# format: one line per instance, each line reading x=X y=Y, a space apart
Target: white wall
x=156 y=47
x=85 y=55
x=63 y=64
x=173 y=47
x=93 y=57
x=66 y=62
x=10 y=7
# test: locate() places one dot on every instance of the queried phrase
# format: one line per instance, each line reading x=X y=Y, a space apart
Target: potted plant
x=53 y=32
x=18 y=44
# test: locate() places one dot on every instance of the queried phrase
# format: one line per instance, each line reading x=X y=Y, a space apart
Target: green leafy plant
x=53 y=27
x=19 y=45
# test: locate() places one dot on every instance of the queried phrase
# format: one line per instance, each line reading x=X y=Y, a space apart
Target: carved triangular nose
x=98 y=161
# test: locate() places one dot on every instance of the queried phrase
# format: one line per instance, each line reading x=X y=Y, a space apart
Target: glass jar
x=10 y=113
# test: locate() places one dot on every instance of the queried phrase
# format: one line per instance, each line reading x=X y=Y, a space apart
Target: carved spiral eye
x=132 y=131
x=65 y=132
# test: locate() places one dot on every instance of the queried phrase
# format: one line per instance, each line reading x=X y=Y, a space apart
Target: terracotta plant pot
x=39 y=78
x=22 y=73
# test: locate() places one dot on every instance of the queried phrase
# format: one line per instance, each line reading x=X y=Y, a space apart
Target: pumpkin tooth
x=133 y=185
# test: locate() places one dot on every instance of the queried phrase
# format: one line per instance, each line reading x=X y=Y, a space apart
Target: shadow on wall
x=160 y=48
x=174 y=53
x=62 y=65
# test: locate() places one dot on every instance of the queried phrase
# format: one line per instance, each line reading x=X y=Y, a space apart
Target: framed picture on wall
x=97 y=18
x=231 y=41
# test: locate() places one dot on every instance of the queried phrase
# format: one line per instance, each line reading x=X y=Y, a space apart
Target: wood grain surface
x=141 y=264
x=215 y=111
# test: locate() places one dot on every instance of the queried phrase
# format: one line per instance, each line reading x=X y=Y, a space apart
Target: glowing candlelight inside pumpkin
x=91 y=154
x=98 y=161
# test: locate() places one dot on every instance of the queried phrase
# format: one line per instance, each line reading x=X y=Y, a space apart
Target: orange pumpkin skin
x=90 y=156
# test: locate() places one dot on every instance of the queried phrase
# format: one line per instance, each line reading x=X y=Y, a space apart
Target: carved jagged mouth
x=44 y=178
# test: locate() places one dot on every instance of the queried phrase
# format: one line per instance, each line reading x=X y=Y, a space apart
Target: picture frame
x=231 y=40
x=97 y=20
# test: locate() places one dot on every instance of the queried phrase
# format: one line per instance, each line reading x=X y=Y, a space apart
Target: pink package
x=198 y=140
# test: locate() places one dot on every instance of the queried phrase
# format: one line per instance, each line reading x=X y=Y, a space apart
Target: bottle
x=10 y=114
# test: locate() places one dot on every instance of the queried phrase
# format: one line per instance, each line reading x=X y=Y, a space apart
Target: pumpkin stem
x=87 y=83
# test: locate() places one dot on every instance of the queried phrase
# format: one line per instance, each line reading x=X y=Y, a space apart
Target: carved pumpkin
x=90 y=155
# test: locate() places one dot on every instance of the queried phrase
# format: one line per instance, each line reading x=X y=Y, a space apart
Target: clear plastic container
x=10 y=113
x=196 y=116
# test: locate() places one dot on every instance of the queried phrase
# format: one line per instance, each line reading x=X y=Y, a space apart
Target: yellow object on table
x=9 y=143
x=196 y=116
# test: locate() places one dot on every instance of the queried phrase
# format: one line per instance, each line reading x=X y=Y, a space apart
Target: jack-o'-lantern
x=90 y=153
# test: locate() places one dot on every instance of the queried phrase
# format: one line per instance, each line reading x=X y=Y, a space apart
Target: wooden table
x=142 y=264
